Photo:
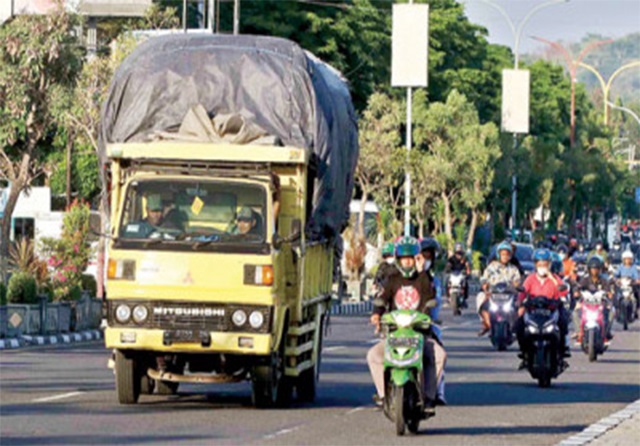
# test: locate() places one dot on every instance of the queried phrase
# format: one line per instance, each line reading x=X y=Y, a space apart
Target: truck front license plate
x=185 y=335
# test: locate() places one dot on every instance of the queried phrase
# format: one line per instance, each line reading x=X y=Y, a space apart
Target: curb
x=89 y=335
x=603 y=426
x=354 y=308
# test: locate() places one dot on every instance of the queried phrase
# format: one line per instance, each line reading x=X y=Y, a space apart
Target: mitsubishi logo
x=188 y=280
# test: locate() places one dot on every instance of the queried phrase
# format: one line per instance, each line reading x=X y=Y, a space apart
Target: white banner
x=515 y=101
x=410 y=45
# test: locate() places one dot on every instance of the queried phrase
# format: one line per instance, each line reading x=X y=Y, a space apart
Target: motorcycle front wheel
x=398 y=403
x=593 y=355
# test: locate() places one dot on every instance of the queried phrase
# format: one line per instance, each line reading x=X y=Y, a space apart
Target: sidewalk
x=621 y=435
x=618 y=429
x=24 y=341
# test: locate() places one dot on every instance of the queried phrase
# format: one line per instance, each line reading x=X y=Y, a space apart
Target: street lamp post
x=632 y=149
x=606 y=85
x=572 y=65
x=517 y=32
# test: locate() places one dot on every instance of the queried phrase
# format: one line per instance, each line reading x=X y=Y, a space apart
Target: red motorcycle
x=593 y=325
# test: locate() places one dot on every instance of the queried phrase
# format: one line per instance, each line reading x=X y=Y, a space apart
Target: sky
x=568 y=22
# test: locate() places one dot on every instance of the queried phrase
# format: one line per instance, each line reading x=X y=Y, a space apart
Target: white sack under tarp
x=230 y=128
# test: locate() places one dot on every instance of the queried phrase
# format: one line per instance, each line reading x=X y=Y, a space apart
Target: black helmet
x=595 y=262
x=429 y=244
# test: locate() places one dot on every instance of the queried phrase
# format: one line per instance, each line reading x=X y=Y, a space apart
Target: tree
x=381 y=157
x=38 y=57
x=460 y=154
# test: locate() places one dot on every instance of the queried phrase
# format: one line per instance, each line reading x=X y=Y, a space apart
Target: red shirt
x=535 y=286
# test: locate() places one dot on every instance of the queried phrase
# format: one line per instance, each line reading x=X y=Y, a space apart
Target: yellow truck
x=225 y=214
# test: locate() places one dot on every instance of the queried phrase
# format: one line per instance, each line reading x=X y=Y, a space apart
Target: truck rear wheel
x=127 y=378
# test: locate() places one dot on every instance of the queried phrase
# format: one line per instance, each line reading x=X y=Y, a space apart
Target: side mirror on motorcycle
x=432 y=304
x=520 y=289
x=562 y=288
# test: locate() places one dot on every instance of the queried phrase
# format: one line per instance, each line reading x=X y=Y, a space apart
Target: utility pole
x=211 y=16
x=236 y=17
x=184 y=15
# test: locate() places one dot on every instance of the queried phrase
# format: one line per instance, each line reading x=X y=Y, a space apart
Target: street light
x=606 y=86
x=572 y=65
x=632 y=149
x=517 y=32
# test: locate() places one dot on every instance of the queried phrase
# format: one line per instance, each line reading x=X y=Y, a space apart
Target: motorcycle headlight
x=256 y=319
x=493 y=307
x=549 y=328
x=507 y=307
x=532 y=329
x=239 y=317
x=123 y=313
x=140 y=314
x=404 y=320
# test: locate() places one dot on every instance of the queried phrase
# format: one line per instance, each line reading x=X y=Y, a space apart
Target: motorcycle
x=404 y=399
x=544 y=354
x=457 y=282
x=502 y=314
x=592 y=326
x=626 y=302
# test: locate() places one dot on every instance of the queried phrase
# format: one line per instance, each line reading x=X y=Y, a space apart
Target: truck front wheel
x=127 y=378
x=270 y=387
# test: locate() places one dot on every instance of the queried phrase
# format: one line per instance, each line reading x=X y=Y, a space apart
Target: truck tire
x=269 y=386
x=167 y=387
x=127 y=378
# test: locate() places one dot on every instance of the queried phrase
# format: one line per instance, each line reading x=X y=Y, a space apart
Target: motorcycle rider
x=498 y=271
x=408 y=288
x=595 y=281
x=425 y=261
x=542 y=283
x=387 y=266
x=627 y=269
x=458 y=263
x=568 y=264
x=601 y=252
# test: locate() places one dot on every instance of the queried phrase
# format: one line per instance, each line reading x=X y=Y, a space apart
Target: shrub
x=89 y=284
x=3 y=294
x=69 y=255
x=22 y=289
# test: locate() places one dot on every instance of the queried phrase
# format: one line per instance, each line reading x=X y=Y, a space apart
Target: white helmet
x=627 y=255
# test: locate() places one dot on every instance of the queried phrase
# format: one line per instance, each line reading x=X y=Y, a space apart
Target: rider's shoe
x=522 y=366
x=378 y=401
x=483 y=331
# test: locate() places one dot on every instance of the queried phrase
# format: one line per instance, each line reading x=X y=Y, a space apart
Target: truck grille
x=189 y=316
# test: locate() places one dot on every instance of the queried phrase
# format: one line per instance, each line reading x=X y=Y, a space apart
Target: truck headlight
x=123 y=313
x=239 y=318
x=256 y=319
x=140 y=314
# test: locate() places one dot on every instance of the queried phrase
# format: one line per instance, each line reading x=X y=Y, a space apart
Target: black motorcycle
x=544 y=351
x=502 y=313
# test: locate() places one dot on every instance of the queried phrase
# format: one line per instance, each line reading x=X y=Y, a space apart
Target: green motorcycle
x=403 y=378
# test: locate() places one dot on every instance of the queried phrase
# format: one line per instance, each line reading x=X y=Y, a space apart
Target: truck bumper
x=152 y=339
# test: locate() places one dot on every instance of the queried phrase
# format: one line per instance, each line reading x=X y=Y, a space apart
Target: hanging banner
x=515 y=101
x=410 y=45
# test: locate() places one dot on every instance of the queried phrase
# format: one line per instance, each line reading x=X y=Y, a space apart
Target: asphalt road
x=65 y=395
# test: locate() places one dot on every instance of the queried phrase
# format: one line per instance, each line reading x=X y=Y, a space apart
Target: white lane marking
x=467 y=324
x=444 y=327
x=333 y=349
x=57 y=397
x=281 y=432
x=357 y=409
x=373 y=341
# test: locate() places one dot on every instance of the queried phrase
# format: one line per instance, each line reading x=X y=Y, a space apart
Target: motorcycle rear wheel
x=453 y=300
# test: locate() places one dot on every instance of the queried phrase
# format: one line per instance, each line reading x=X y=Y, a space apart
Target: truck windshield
x=198 y=213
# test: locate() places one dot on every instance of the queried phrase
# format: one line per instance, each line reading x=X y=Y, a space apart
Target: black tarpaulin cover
x=271 y=82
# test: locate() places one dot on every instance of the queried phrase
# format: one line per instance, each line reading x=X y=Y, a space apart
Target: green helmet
x=388 y=249
x=407 y=247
